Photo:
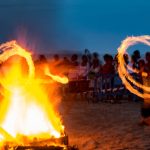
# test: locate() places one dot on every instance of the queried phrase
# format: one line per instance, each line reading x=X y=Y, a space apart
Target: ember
x=28 y=119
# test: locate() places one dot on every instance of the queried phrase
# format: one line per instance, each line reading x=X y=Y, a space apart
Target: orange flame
x=63 y=80
x=124 y=74
x=25 y=109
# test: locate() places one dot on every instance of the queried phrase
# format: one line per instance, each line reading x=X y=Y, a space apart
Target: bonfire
x=28 y=117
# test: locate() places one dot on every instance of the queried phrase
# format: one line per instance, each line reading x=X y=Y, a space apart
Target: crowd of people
x=81 y=68
x=87 y=65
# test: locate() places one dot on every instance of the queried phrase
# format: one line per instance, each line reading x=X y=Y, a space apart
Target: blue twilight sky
x=55 y=25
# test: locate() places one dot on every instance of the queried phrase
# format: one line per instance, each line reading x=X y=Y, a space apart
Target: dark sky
x=55 y=25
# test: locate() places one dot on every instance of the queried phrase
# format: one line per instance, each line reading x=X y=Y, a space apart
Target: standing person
x=55 y=64
x=96 y=59
x=107 y=76
x=84 y=67
x=94 y=71
x=135 y=58
x=40 y=65
x=65 y=61
x=96 y=65
x=137 y=55
x=73 y=68
x=145 y=110
x=133 y=64
x=89 y=56
x=141 y=66
x=73 y=76
x=74 y=60
x=108 y=67
x=56 y=60
x=108 y=70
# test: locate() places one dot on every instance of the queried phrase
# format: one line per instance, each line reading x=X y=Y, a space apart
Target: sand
x=104 y=126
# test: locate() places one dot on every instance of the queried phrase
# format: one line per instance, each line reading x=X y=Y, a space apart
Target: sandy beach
x=104 y=126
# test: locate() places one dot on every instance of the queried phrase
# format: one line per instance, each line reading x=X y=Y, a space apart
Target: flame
x=25 y=109
x=63 y=80
x=122 y=67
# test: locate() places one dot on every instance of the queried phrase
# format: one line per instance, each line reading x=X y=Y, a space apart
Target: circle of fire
x=122 y=67
x=12 y=48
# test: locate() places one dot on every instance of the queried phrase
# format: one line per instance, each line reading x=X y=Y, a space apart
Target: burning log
x=43 y=148
x=47 y=144
x=52 y=141
x=46 y=148
x=38 y=148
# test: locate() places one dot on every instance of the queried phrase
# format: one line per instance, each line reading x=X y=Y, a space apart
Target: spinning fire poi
x=123 y=68
x=26 y=111
x=127 y=78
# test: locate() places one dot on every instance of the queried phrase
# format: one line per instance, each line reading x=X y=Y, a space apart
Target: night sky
x=54 y=25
